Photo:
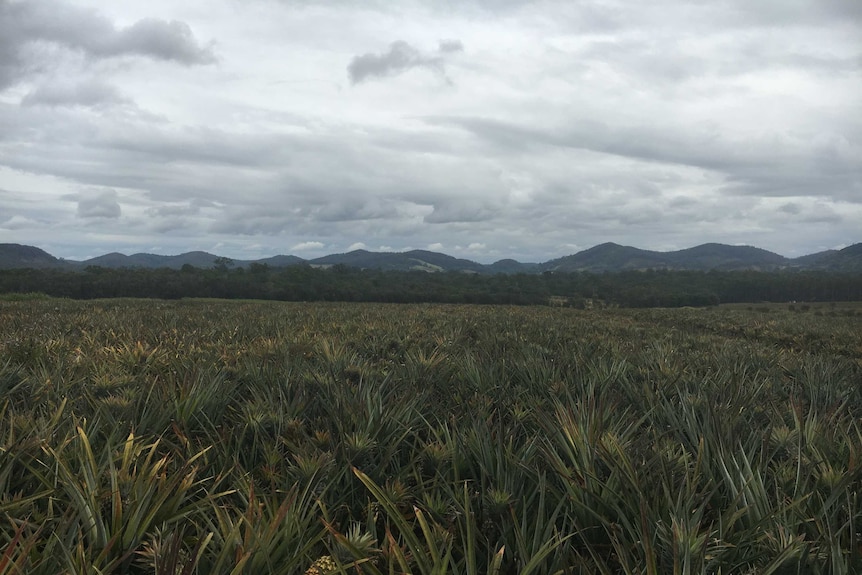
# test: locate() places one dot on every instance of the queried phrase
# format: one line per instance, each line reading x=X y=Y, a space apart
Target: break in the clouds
x=485 y=129
x=399 y=58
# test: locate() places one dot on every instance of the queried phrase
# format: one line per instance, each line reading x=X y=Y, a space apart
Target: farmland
x=212 y=436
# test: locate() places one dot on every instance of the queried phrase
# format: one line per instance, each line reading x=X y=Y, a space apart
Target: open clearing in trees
x=252 y=437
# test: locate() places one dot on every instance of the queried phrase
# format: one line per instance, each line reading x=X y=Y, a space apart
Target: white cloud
x=18 y=222
x=559 y=124
x=305 y=246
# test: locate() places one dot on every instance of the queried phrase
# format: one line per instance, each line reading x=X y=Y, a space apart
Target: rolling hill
x=117 y=260
x=611 y=257
x=848 y=259
x=14 y=256
x=607 y=257
x=415 y=260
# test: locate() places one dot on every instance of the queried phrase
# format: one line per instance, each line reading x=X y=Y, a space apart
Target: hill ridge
x=604 y=257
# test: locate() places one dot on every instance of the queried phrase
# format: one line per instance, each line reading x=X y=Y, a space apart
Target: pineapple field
x=248 y=437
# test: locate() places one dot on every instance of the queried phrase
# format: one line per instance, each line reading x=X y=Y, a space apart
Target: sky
x=484 y=129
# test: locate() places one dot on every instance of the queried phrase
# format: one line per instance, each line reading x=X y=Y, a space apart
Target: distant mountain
x=608 y=257
x=847 y=260
x=724 y=257
x=811 y=260
x=196 y=259
x=14 y=256
x=279 y=261
x=111 y=260
x=416 y=260
x=117 y=260
x=611 y=257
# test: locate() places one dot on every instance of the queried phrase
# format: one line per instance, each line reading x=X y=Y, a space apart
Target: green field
x=206 y=436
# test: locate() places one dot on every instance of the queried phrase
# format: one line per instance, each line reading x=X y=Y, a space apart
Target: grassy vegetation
x=249 y=437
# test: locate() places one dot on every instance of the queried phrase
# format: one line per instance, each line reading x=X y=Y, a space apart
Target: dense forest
x=341 y=283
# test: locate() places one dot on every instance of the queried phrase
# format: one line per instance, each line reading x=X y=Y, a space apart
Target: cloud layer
x=488 y=130
x=35 y=32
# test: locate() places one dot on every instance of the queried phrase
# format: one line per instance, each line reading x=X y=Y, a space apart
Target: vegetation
x=342 y=283
x=181 y=437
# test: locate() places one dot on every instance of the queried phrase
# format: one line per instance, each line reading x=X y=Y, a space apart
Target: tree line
x=652 y=288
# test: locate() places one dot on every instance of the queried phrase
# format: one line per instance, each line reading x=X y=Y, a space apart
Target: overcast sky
x=480 y=128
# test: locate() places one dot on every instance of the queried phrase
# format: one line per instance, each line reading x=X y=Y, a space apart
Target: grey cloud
x=311 y=185
x=698 y=15
x=778 y=12
x=352 y=208
x=656 y=63
x=189 y=217
x=769 y=165
x=172 y=162
x=158 y=39
x=197 y=203
x=248 y=223
x=590 y=16
x=819 y=63
x=18 y=222
x=171 y=224
x=822 y=217
x=199 y=145
x=650 y=59
x=399 y=58
x=450 y=46
x=790 y=208
x=826 y=216
x=447 y=212
x=308 y=210
x=87 y=94
x=172 y=210
x=97 y=204
x=682 y=203
x=755 y=55
x=25 y=25
x=654 y=48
